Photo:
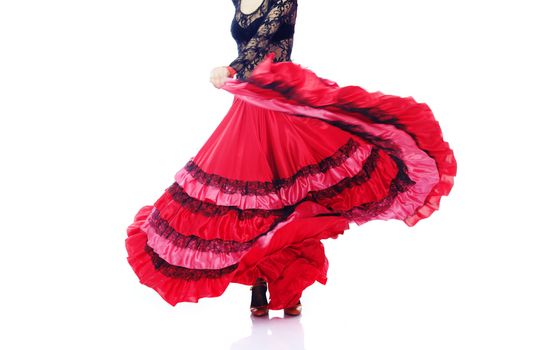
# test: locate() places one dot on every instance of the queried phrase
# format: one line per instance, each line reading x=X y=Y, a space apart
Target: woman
x=294 y=161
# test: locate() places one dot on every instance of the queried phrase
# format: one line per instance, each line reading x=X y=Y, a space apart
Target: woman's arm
x=257 y=47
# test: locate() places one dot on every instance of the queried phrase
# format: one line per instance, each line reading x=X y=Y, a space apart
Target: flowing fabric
x=295 y=160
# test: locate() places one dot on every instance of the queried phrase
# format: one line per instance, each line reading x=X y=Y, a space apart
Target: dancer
x=295 y=160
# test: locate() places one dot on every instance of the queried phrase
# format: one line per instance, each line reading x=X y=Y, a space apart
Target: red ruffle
x=293 y=258
x=226 y=227
x=374 y=188
x=289 y=254
x=291 y=83
x=290 y=258
x=173 y=290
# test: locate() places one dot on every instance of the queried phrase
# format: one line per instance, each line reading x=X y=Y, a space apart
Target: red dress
x=295 y=160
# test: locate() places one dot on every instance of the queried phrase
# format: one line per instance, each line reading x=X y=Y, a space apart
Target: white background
x=101 y=102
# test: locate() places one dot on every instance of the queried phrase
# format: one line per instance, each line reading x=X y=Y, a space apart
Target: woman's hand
x=219 y=76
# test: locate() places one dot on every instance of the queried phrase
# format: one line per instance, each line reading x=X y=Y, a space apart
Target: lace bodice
x=269 y=28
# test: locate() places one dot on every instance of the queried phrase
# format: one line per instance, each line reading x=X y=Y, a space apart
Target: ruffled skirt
x=295 y=160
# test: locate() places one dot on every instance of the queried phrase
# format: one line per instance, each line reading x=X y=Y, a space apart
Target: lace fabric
x=264 y=188
x=179 y=272
x=269 y=28
x=164 y=229
x=209 y=209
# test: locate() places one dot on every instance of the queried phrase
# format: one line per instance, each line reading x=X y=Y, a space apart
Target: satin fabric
x=283 y=123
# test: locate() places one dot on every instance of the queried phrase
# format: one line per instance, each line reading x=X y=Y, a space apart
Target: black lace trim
x=374 y=114
x=264 y=188
x=220 y=246
x=386 y=145
x=401 y=183
x=361 y=177
x=163 y=228
x=210 y=209
x=365 y=211
x=185 y=273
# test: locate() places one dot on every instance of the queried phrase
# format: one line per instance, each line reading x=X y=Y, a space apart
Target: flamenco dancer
x=295 y=160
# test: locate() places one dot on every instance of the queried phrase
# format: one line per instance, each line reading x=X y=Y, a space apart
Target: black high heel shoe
x=259 y=303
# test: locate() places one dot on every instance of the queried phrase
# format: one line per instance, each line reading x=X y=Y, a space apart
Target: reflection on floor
x=282 y=333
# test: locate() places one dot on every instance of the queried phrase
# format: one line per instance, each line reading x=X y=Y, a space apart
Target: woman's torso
x=244 y=27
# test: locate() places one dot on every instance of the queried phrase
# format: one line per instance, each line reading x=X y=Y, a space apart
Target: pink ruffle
x=227 y=227
x=290 y=257
x=285 y=196
x=420 y=144
x=186 y=257
x=172 y=290
x=421 y=168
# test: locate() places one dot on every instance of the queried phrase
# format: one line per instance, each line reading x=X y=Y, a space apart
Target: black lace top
x=269 y=28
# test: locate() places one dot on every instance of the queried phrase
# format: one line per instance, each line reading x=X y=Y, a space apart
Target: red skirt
x=295 y=160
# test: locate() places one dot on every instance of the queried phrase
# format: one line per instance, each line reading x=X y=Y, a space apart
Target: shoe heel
x=293 y=310
x=258 y=307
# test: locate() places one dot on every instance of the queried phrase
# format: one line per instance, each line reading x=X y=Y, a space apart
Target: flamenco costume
x=295 y=160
